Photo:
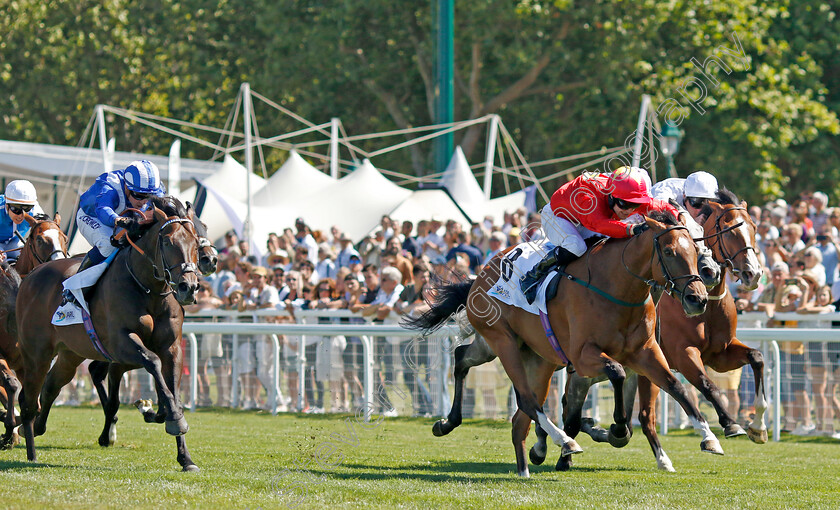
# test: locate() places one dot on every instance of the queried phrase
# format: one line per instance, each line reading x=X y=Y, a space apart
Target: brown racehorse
x=689 y=342
x=45 y=241
x=595 y=334
x=207 y=259
x=136 y=311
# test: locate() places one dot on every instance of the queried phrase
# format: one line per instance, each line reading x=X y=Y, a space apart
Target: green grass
x=399 y=464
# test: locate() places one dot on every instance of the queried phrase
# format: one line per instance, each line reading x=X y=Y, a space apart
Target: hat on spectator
x=437 y=260
x=822 y=197
x=780 y=202
x=326 y=248
x=259 y=270
x=780 y=266
x=344 y=238
x=281 y=267
x=282 y=253
x=498 y=236
x=354 y=257
x=778 y=212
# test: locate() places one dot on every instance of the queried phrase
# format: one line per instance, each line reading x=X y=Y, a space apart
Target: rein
x=719 y=231
x=670 y=286
x=166 y=274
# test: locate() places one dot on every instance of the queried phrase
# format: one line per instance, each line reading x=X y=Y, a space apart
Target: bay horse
x=208 y=258
x=45 y=241
x=690 y=342
x=592 y=332
x=136 y=312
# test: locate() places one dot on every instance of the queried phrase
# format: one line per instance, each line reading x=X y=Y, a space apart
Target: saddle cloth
x=514 y=265
x=71 y=313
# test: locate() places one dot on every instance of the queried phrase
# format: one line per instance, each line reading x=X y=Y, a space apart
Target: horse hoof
x=177 y=427
x=734 y=430
x=192 y=468
x=757 y=436
x=563 y=463
x=441 y=428
x=711 y=446
x=618 y=438
x=598 y=434
x=536 y=459
x=570 y=448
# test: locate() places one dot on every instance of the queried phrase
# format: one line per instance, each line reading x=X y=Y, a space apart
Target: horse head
x=170 y=244
x=45 y=242
x=676 y=253
x=730 y=233
x=208 y=256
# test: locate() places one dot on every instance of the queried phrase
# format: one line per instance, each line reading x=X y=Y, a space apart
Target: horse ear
x=744 y=204
x=159 y=215
x=29 y=219
x=57 y=219
x=653 y=224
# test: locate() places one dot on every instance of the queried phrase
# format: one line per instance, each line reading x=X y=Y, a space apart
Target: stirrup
x=67 y=297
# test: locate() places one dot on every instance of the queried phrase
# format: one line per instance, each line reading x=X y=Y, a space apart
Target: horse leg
x=594 y=360
x=574 y=396
x=540 y=372
x=466 y=357
x=98 y=371
x=172 y=363
x=737 y=355
x=690 y=364
x=648 y=393
x=11 y=387
x=508 y=351
x=33 y=379
x=61 y=373
x=136 y=353
x=650 y=362
x=111 y=404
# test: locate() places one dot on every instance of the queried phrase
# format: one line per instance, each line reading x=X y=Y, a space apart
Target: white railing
x=768 y=337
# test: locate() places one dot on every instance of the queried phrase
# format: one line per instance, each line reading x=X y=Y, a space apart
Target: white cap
x=701 y=185
x=21 y=192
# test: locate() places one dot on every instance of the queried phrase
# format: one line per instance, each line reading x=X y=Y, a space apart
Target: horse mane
x=170 y=205
x=724 y=197
x=41 y=217
x=664 y=217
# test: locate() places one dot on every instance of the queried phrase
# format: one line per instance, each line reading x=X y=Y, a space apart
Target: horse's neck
x=614 y=277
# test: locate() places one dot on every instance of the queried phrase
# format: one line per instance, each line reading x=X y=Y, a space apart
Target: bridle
x=670 y=286
x=166 y=273
x=721 y=247
x=31 y=247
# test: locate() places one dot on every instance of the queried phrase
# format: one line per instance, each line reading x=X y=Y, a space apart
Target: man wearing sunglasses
x=109 y=196
x=20 y=198
x=592 y=204
x=691 y=194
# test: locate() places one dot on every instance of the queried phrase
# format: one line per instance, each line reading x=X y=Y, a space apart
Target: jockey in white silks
x=20 y=198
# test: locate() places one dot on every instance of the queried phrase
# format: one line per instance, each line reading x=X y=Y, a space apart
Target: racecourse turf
x=255 y=460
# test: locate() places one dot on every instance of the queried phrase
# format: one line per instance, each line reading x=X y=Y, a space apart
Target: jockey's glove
x=638 y=228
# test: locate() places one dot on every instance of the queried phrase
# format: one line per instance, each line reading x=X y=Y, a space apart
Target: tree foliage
x=566 y=76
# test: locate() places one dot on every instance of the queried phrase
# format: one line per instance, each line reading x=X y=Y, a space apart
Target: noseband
x=166 y=273
x=670 y=286
x=719 y=231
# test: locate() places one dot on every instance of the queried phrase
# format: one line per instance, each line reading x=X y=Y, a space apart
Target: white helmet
x=21 y=192
x=701 y=185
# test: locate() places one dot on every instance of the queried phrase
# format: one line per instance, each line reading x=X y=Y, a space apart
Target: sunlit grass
x=251 y=460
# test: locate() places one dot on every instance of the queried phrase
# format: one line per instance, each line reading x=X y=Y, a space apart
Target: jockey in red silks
x=592 y=204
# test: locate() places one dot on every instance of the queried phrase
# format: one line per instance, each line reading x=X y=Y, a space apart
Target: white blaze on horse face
x=752 y=260
x=684 y=244
x=53 y=235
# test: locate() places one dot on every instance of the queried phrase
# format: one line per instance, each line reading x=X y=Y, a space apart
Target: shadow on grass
x=9 y=465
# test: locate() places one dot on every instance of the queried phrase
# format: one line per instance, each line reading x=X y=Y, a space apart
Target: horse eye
x=668 y=252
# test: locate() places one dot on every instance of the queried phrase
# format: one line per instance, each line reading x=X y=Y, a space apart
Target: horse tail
x=449 y=299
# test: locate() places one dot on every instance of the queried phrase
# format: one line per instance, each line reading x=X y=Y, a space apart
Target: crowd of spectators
x=384 y=275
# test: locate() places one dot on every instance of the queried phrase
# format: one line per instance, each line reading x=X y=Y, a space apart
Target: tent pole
x=249 y=157
x=107 y=160
x=334 y=147
x=491 y=155
x=640 y=131
x=175 y=168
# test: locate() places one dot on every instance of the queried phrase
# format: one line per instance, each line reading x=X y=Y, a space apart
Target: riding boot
x=66 y=295
x=529 y=283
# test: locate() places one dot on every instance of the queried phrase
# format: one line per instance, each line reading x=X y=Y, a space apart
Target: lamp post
x=669 y=141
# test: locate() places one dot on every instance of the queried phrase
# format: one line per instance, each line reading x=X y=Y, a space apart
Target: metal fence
x=330 y=362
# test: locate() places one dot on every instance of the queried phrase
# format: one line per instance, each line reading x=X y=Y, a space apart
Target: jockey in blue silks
x=110 y=195
x=20 y=198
